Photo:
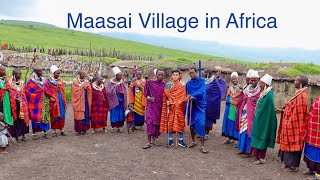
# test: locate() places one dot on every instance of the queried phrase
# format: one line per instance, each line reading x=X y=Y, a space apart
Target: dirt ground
x=120 y=156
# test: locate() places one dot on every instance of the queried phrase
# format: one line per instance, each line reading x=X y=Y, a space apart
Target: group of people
x=249 y=123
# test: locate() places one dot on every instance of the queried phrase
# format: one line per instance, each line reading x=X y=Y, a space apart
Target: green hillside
x=33 y=34
x=27 y=34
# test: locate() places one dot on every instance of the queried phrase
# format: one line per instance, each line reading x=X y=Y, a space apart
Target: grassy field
x=23 y=34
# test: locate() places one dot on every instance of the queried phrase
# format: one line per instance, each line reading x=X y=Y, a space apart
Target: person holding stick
x=196 y=91
x=153 y=90
x=173 y=100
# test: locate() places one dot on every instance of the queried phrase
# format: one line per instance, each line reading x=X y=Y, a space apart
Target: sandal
x=155 y=143
x=193 y=144
x=290 y=169
x=203 y=150
x=309 y=173
x=35 y=137
x=245 y=155
x=147 y=146
x=63 y=133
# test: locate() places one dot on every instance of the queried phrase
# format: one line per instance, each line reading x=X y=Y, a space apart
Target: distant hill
x=236 y=52
x=27 y=22
x=25 y=33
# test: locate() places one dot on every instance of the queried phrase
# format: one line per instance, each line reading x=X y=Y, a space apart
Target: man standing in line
x=196 y=99
x=153 y=90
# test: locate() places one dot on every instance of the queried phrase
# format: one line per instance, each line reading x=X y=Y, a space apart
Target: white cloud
x=297 y=20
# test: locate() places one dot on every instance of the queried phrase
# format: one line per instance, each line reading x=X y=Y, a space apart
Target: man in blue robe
x=196 y=106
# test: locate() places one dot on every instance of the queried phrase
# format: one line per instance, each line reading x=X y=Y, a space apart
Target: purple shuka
x=153 y=109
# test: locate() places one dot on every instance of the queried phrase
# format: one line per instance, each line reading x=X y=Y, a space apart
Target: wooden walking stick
x=167 y=108
x=190 y=116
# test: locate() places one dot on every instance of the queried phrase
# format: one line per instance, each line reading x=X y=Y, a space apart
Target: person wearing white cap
x=229 y=119
x=117 y=100
x=264 y=128
x=213 y=97
x=58 y=104
x=248 y=76
x=246 y=111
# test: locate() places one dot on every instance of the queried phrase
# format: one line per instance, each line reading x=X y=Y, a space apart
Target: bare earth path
x=120 y=156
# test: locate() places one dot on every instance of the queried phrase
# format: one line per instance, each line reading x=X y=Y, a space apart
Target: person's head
x=160 y=75
x=254 y=79
x=16 y=73
x=56 y=74
x=300 y=82
x=248 y=80
x=130 y=106
x=218 y=74
x=139 y=74
x=262 y=85
x=119 y=76
x=38 y=71
x=2 y=71
x=82 y=74
x=208 y=73
x=175 y=75
x=1 y=116
x=193 y=72
x=99 y=79
x=249 y=74
x=234 y=78
x=265 y=81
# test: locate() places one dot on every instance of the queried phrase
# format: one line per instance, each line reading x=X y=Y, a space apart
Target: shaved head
x=36 y=68
x=2 y=71
x=303 y=80
x=16 y=71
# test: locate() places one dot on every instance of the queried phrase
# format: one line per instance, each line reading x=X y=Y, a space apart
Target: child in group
x=3 y=135
x=129 y=118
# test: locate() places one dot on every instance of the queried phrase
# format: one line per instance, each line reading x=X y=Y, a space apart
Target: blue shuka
x=197 y=89
x=213 y=99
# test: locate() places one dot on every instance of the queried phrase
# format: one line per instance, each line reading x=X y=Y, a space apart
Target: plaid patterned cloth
x=113 y=94
x=292 y=121
x=311 y=130
x=99 y=106
x=34 y=95
x=19 y=94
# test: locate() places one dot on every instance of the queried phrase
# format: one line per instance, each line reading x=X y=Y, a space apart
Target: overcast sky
x=298 y=23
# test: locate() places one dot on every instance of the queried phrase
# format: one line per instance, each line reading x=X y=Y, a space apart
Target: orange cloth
x=176 y=96
x=78 y=98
